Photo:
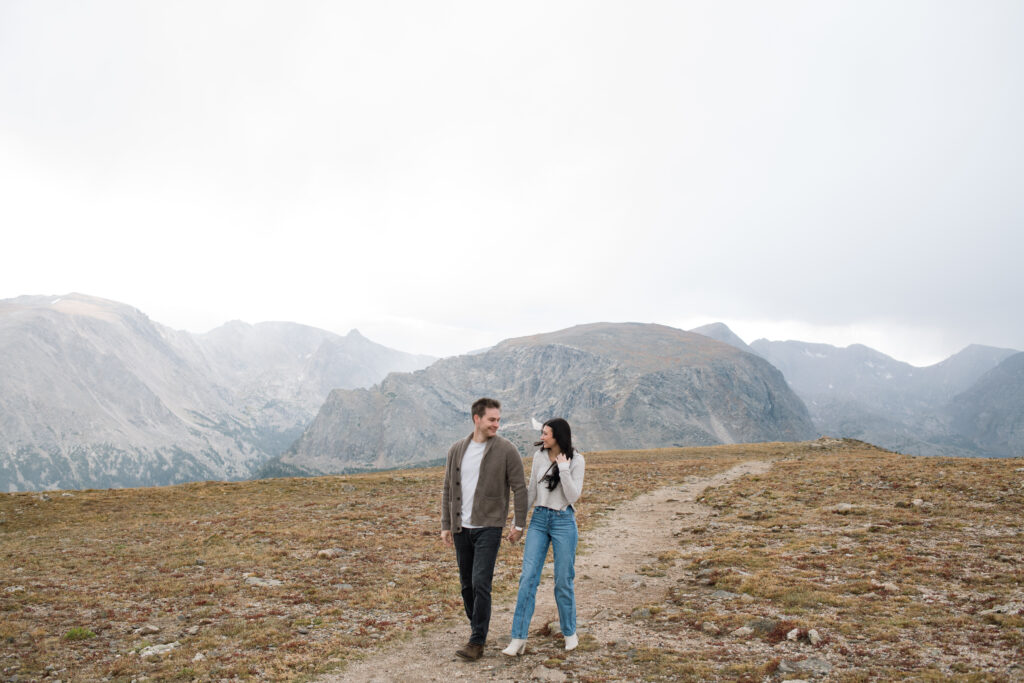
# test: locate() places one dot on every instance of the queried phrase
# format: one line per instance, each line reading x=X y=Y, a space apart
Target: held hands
x=514 y=534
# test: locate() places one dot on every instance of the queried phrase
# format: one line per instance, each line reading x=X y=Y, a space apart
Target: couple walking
x=480 y=471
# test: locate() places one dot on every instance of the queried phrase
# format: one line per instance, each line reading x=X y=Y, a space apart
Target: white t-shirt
x=470 y=475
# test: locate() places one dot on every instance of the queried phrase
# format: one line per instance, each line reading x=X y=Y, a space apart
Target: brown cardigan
x=501 y=469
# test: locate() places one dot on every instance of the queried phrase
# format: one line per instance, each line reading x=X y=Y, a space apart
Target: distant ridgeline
x=94 y=394
x=621 y=386
x=971 y=404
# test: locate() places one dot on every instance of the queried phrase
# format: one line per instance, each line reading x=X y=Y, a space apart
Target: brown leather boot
x=471 y=652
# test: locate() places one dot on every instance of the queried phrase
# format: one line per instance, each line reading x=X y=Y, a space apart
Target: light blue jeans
x=555 y=528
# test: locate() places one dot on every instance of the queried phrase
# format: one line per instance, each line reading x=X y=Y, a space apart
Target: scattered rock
x=814 y=637
x=556 y=630
x=328 y=554
x=841 y=508
x=710 y=628
x=158 y=650
x=199 y=657
x=1008 y=608
x=761 y=627
x=706 y=577
x=261 y=582
x=812 y=665
x=542 y=673
x=793 y=635
x=743 y=632
x=148 y=630
x=724 y=595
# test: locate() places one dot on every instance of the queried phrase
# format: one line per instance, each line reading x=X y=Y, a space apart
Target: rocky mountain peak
x=621 y=385
x=722 y=333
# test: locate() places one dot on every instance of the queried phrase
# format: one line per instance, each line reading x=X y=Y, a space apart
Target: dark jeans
x=476 y=551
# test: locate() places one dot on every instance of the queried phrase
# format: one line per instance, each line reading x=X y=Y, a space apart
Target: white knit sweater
x=570 y=482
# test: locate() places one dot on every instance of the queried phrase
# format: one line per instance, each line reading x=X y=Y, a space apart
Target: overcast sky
x=444 y=175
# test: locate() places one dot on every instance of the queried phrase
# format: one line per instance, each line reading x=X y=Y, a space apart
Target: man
x=474 y=507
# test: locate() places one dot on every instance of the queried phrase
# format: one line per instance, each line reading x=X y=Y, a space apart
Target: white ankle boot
x=571 y=642
x=515 y=648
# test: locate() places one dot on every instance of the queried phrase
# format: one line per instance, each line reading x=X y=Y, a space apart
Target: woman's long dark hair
x=562 y=433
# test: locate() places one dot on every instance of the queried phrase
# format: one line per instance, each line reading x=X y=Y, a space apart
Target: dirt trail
x=608 y=587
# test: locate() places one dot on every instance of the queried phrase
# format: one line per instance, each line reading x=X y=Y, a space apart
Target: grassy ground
x=896 y=561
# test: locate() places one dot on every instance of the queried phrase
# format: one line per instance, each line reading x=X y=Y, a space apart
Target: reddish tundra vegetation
x=838 y=561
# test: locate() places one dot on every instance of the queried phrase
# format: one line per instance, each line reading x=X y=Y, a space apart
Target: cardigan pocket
x=491 y=510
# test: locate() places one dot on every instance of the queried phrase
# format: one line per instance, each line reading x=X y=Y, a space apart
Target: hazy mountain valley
x=94 y=394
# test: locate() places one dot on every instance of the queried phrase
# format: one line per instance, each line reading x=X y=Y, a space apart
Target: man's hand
x=514 y=534
x=446 y=536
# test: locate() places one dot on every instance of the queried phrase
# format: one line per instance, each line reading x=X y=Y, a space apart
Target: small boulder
x=711 y=628
x=812 y=665
x=761 y=627
x=157 y=650
x=542 y=673
x=1008 y=608
x=260 y=582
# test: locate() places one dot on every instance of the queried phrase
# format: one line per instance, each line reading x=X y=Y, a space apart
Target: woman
x=556 y=481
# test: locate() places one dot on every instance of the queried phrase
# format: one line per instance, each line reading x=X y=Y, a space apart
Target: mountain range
x=857 y=392
x=95 y=394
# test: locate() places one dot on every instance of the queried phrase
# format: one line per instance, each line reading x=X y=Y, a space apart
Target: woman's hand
x=561 y=459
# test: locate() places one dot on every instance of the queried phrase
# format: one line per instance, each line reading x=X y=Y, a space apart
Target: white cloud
x=452 y=173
